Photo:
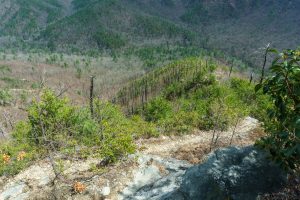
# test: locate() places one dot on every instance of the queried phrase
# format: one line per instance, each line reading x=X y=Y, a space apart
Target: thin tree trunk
x=251 y=78
x=234 y=130
x=264 y=65
x=215 y=130
x=92 y=96
x=230 y=71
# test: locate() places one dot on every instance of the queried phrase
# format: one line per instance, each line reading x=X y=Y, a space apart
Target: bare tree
x=265 y=62
x=216 y=131
x=92 y=96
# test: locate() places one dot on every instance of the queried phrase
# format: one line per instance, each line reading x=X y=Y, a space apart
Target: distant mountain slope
x=25 y=18
x=242 y=27
x=110 y=24
x=236 y=27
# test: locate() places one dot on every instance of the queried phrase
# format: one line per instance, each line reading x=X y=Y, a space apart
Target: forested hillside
x=239 y=28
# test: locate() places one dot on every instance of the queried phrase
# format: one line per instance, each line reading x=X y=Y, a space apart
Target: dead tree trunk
x=264 y=65
x=234 y=130
x=251 y=78
x=92 y=96
x=230 y=71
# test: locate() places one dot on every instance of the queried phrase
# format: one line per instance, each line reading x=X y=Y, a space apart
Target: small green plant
x=144 y=129
x=52 y=59
x=283 y=139
x=24 y=97
x=5 y=69
x=157 y=109
x=5 y=98
x=78 y=72
x=13 y=82
x=35 y=85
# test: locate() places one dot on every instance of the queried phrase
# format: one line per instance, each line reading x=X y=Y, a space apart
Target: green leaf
x=266 y=89
x=276 y=68
x=271 y=50
x=258 y=87
x=291 y=151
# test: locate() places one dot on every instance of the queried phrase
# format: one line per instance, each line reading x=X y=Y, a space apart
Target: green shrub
x=49 y=117
x=144 y=129
x=157 y=109
x=55 y=125
x=179 y=123
x=5 y=98
x=15 y=164
x=13 y=82
x=14 y=147
x=116 y=141
x=117 y=131
x=5 y=69
x=174 y=90
x=283 y=139
x=257 y=102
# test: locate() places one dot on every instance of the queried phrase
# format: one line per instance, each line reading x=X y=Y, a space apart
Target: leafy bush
x=15 y=162
x=49 y=118
x=258 y=103
x=55 y=125
x=5 y=69
x=283 y=140
x=179 y=123
x=201 y=103
x=5 y=98
x=144 y=129
x=157 y=109
x=189 y=96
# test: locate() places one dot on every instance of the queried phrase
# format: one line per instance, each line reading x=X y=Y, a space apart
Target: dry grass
x=23 y=75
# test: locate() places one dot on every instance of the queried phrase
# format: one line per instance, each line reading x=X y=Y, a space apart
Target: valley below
x=149 y=100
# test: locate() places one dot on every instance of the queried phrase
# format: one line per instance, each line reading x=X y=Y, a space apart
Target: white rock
x=15 y=191
x=105 y=191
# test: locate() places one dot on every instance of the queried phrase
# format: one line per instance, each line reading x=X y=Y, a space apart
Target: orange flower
x=6 y=158
x=79 y=187
x=21 y=155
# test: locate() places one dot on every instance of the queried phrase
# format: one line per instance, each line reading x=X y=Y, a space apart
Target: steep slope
x=109 y=24
x=25 y=18
x=239 y=28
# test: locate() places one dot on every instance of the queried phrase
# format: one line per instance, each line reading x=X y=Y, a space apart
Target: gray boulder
x=154 y=178
x=230 y=173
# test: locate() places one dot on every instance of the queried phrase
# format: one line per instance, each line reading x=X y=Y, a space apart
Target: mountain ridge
x=239 y=28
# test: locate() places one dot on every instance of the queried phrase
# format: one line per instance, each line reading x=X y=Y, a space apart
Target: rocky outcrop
x=230 y=173
x=155 y=177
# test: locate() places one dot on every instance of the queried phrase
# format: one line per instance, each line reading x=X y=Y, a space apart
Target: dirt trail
x=193 y=147
x=160 y=160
